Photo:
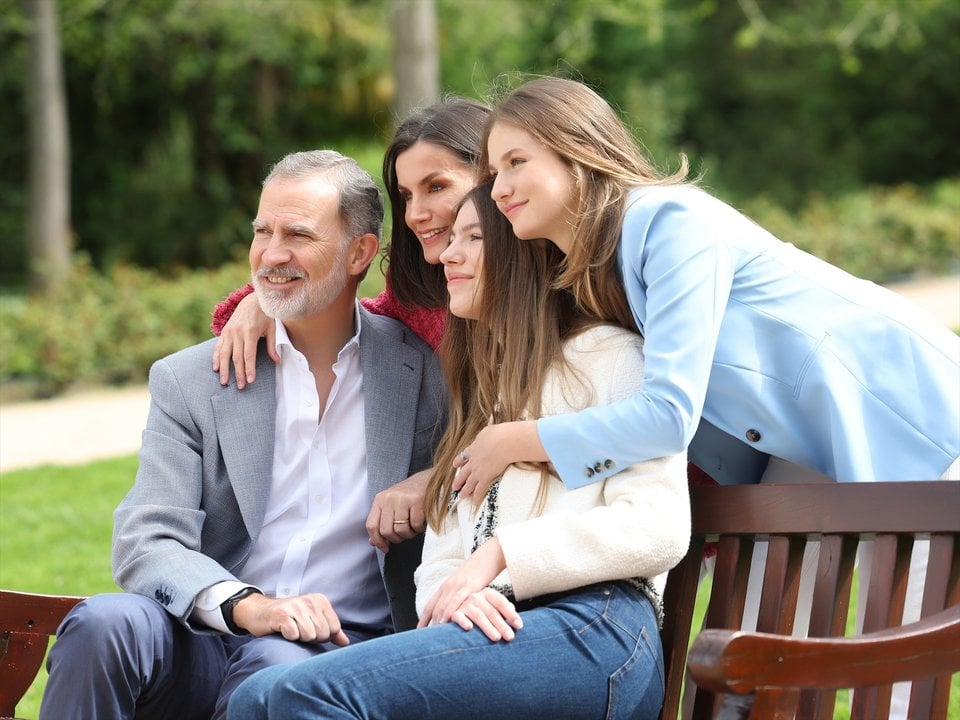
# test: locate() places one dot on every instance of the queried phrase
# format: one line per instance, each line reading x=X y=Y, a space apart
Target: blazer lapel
x=392 y=374
x=245 y=421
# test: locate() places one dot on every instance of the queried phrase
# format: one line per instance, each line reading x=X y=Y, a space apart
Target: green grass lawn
x=56 y=539
x=56 y=534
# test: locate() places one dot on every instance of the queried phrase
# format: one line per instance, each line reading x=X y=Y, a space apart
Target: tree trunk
x=48 y=193
x=416 y=63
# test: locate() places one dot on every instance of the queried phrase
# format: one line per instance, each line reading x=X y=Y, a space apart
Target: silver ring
x=463 y=455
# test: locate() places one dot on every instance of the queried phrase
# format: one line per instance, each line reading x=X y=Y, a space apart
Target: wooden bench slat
x=815 y=508
x=33 y=613
x=679 y=596
x=781 y=583
x=890 y=515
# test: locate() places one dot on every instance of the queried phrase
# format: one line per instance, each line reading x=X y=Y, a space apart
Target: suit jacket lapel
x=245 y=421
x=392 y=374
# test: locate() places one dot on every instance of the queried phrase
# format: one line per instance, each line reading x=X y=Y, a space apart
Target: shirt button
x=753 y=435
x=588 y=471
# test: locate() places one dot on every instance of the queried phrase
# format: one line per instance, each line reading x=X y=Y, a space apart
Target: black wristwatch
x=227 y=606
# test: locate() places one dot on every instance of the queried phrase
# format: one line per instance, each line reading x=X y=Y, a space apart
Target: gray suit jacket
x=198 y=502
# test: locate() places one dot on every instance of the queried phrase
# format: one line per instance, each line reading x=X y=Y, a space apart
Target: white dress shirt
x=313 y=537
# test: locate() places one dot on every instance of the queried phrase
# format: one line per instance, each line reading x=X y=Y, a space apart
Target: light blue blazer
x=778 y=352
x=206 y=461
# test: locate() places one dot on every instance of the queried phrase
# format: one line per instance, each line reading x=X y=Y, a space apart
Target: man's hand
x=238 y=342
x=305 y=618
x=397 y=513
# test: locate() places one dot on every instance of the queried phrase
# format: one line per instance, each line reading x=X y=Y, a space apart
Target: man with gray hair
x=242 y=543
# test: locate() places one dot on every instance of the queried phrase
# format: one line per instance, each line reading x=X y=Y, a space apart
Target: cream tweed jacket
x=633 y=525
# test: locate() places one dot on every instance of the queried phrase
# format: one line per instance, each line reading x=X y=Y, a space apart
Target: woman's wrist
x=522 y=441
x=226 y=307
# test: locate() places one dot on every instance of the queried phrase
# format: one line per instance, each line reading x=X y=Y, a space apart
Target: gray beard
x=310 y=298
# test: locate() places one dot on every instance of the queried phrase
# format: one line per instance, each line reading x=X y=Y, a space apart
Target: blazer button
x=608 y=463
x=598 y=467
x=753 y=435
x=588 y=471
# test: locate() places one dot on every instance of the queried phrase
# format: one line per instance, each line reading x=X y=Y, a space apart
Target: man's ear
x=363 y=249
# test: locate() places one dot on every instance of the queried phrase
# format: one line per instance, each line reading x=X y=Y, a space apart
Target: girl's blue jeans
x=591 y=653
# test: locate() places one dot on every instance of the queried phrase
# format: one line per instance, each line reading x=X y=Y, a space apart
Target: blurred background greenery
x=831 y=122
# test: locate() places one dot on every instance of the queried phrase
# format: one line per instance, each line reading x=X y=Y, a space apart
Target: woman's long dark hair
x=455 y=125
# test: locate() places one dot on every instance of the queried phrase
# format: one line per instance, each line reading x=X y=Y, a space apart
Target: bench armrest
x=735 y=661
x=27 y=620
x=33 y=612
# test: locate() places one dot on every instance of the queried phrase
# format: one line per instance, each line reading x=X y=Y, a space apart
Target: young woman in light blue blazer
x=754 y=350
x=766 y=349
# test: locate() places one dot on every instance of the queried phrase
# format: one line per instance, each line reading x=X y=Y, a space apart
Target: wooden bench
x=738 y=674
x=769 y=673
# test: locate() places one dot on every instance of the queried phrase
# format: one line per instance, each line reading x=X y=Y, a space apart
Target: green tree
x=178 y=107
x=802 y=96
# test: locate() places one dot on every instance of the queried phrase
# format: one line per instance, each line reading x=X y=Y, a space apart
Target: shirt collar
x=283 y=339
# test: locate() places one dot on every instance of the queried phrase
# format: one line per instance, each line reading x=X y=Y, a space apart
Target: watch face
x=227 y=606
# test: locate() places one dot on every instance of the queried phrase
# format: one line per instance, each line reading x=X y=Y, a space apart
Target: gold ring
x=401 y=522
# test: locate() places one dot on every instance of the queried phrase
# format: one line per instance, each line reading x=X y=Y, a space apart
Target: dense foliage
x=177 y=106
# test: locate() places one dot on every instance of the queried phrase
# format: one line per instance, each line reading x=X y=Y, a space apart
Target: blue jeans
x=591 y=653
x=119 y=656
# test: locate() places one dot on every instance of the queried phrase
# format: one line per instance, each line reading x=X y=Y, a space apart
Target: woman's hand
x=238 y=342
x=490 y=611
x=465 y=599
x=494 y=448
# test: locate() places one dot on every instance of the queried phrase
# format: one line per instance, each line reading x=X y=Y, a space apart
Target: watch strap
x=227 y=606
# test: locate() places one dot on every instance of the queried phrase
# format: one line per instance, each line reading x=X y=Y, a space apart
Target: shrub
x=109 y=328
x=881 y=234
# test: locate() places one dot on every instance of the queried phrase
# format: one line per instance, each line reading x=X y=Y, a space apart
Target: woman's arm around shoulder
x=635 y=523
x=678 y=262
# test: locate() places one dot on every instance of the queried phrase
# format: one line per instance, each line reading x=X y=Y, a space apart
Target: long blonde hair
x=496 y=366
x=573 y=121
